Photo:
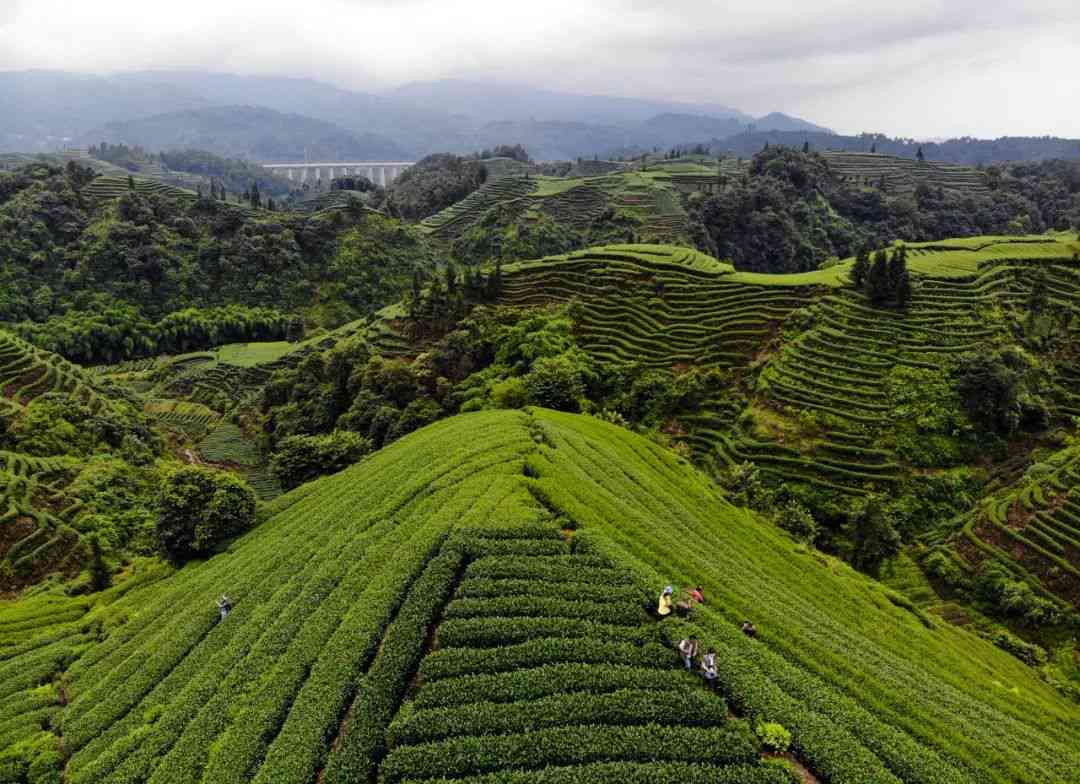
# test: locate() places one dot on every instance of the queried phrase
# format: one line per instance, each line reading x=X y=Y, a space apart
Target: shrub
x=511 y=393
x=773 y=736
x=200 y=507
x=1015 y=598
x=556 y=382
x=1026 y=652
x=939 y=564
x=299 y=459
x=797 y=520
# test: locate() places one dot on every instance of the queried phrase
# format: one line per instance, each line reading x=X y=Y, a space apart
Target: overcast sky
x=917 y=67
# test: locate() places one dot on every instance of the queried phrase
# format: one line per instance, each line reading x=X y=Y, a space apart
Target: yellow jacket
x=663 y=607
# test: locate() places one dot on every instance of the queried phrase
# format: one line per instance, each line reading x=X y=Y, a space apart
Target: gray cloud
x=926 y=67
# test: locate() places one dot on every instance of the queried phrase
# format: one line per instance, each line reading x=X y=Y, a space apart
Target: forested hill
x=100 y=268
x=966 y=150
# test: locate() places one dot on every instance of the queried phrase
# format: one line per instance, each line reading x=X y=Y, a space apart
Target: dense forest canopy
x=790 y=213
x=82 y=266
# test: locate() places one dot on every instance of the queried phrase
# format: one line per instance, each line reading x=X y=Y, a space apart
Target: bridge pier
x=378 y=172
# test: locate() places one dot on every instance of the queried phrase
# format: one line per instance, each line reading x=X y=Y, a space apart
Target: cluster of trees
x=130 y=158
x=964 y=150
x=1000 y=392
x=435 y=308
x=200 y=508
x=433 y=184
x=232 y=174
x=514 y=151
x=493 y=358
x=354 y=182
x=885 y=279
x=678 y=152
x=67 y=254
x=114 y=331
x=790 y=214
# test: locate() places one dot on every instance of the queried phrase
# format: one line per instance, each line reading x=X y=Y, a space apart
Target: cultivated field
x=421 y=617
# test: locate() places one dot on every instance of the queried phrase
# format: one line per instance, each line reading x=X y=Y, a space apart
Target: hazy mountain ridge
x=248 y=132
x=53 y=109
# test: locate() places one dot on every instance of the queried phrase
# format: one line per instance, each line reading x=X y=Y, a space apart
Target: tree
x=873 y=148
x=920 y=155
x=903 y=289
x=989 y=389
x=201 y=507
x=299 y=459
x=897 y=267
x=451 y=279
x=100 y=574
x=806 y=147
x=877 y=281
x=556 y=382
x=873 y=538
x=861 y=268
x=131 y=183
x=797 y=520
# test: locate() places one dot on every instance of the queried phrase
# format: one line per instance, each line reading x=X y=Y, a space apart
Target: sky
x=922 y=68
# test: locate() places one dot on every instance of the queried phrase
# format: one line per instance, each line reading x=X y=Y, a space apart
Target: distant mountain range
x=278 y=118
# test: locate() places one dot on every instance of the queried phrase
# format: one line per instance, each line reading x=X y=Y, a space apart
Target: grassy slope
x=871 y=691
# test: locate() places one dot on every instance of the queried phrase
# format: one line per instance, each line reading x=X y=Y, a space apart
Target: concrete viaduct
x=379 y=172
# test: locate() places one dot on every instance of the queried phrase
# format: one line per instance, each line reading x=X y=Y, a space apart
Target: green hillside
x=73 y=455
x=624 y=205
x=422 y=617
x=894 y=174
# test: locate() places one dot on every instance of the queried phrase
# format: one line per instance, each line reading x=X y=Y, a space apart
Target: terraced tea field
x=420 y=617
x=27 y=372
x=1034 y=524
x=649 y=198
x=38 y=517
x=901 y=175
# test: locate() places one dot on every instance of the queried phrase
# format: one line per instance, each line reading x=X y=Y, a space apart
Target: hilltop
x=442 y=555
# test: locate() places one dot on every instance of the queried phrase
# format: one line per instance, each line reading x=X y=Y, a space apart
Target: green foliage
x=432 y=184
x=115 y=332
x=873 y=537
x=931 y=424
x=1027 y=652
x=557 y=382
x=941 y=564
x=299 y=459
x=995 y=390
x=1010 y=597
x=724 y=745
x=100 y=574
x=60 y=424
x=773 y=736
x=200 y=508
x=334 y=601
x=158 y=253
x=797 y=521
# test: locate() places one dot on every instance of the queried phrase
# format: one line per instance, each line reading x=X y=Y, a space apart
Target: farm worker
x=698 y=595
x=688 y=650
x=708 y=667
x=663 y=606
x=224 y=606
x=749 y=629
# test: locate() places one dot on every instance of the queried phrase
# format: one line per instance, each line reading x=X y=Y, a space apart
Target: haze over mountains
x=47 y=110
